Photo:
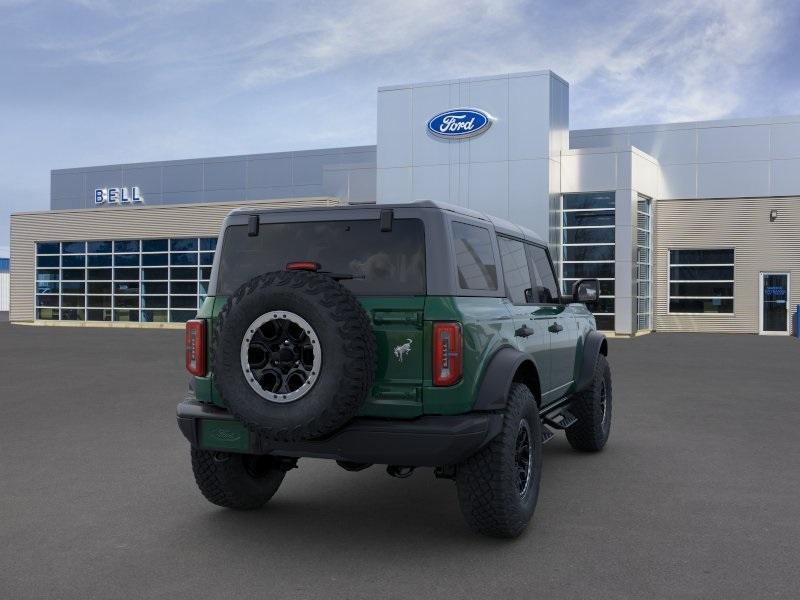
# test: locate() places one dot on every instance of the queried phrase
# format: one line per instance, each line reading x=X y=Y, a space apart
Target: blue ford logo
x=460 y=123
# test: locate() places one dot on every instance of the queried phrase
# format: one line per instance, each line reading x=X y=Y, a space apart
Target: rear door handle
x=524 y=331
x=555 y=328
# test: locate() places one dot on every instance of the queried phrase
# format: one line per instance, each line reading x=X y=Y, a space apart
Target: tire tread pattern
x=358 y=346
x=588 y=433
x=227 y=483
x=486 y=481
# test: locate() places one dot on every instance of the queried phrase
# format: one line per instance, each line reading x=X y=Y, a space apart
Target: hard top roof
x=500 y=225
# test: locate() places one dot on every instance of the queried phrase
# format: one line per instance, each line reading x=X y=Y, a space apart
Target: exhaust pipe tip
x=400 y=471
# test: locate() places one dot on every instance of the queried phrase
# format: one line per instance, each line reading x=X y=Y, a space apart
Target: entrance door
x=774 y=304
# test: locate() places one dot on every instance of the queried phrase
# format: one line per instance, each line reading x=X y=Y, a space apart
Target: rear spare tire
x=293 y=355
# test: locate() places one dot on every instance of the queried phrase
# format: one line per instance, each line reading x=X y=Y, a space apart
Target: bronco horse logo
x=401 y=350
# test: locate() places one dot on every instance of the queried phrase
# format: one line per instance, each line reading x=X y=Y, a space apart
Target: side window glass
x=515 y=270
x=545 y=289
x=474 y=257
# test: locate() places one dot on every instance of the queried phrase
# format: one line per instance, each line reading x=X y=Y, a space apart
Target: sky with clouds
x=90 y=82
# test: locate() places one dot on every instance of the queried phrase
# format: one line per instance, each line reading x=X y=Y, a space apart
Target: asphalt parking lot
x=696 y=496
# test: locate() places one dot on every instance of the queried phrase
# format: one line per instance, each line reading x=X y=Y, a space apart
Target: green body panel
x=486 y=326
x=224 y=435
x=403 y=334
x=398 y=326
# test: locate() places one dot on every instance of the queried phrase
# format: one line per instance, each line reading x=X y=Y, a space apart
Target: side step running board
x=560 y=420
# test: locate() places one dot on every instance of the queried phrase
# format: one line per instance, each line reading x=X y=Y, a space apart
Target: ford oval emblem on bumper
x=459 y=123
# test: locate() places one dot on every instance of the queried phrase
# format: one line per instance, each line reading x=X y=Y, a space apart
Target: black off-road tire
x=487 y=482
x=238 y=481
x=348 y=355
x=592 y=407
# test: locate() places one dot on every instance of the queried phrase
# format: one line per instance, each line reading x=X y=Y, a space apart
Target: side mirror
x=586 y=291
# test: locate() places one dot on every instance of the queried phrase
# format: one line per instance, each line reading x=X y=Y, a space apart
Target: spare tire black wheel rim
x=281 y=356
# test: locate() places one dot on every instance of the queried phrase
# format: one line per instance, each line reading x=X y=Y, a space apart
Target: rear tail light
x=447 y=353
x=196 y=347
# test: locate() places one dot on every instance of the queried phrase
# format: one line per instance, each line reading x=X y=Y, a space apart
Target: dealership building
x=688 y=226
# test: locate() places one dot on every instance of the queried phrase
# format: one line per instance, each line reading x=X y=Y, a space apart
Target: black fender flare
x=594 y=345
x=498 y=377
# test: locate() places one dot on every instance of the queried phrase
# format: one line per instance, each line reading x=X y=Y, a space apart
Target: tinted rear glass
x=474 y=257
x=392 y=263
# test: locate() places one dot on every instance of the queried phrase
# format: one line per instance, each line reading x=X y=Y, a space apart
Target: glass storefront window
x=122 y=280
x=99 y=247
x=48 y=248
x=155 y=245
x=644 y=232
x=126 y=246
x=153 y=260
x=47 y=261
x=73 y=247
x=588 y=229
x=701 y=281
x=183 y=245
x=99 y=260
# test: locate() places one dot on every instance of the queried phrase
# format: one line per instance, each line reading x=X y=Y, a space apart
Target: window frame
x=561 y=298
x=732 y=281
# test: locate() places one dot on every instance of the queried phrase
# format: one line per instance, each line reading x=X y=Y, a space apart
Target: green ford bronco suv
x=409 y=335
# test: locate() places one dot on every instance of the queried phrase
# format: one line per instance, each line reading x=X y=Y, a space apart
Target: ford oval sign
x=459 y=123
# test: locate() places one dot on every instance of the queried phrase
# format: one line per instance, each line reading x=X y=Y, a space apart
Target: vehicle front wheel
x=238 y=481
x=499 y=485
x=592 y=407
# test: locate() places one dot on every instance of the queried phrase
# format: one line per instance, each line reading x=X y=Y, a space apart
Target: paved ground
x=696 y=496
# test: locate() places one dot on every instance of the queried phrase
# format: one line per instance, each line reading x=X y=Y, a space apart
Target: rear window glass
x=390 y=263
x=474 y=257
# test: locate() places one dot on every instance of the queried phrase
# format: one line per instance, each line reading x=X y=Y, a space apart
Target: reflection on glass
x=113 y=287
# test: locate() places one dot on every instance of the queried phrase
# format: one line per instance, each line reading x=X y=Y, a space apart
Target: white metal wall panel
x=187 y=220
x=713 y=159
x=4 y=291
x=742 y=224
x=785 y=140
x=531 y=124
x=733 y=144
x=733 y=179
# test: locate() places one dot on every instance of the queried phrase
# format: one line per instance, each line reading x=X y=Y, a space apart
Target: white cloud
x=324 y=39
x=626 y=61
x=691 y=62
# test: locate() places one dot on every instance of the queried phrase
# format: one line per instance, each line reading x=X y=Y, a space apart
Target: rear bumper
x=428 y=441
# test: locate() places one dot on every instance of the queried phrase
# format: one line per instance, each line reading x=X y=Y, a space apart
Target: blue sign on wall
x=459 y=123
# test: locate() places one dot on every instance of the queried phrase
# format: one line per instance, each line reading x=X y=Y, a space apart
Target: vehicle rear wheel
x=592 y=407
x=499 y=485
x=239 y=481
